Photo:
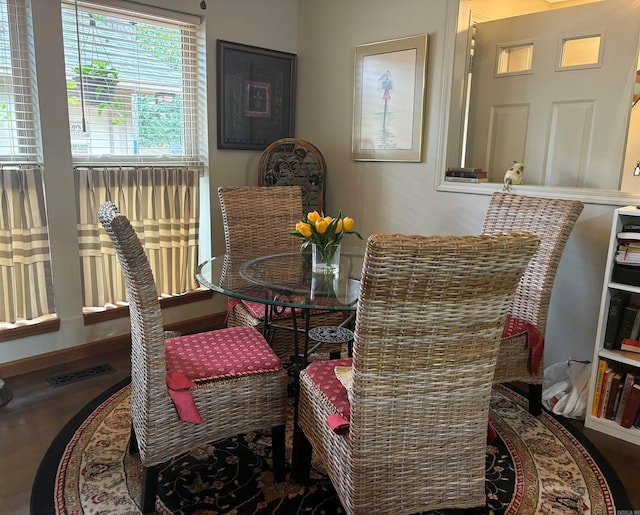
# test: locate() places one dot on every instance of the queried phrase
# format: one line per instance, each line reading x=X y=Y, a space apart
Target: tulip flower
x=313 y=217
x=348 y=223
x=325 y=232
x=304 y=229
x=321 y=225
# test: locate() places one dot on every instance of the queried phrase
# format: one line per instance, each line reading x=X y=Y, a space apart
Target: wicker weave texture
x=259 y=221
x=427 y=333
x=552 y=220
x=228 y=407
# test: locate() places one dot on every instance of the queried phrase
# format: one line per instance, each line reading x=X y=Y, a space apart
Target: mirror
x=551 y=87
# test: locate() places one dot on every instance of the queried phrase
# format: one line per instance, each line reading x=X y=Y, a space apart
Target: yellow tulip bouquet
x=325 y=232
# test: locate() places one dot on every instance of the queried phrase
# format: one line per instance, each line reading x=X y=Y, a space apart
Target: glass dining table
x=285 y=280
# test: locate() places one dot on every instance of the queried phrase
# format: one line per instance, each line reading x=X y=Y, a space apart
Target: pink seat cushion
x=256 y=309
x=323 y=375
x=231 y=352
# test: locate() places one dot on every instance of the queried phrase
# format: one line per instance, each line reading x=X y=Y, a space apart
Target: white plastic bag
x=565 y=388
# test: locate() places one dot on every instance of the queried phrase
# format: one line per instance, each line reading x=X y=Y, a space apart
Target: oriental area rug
x=534 y=465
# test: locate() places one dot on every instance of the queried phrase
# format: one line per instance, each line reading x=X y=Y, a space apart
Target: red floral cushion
x=323 y=375
x=231 y=352
x=256 y=309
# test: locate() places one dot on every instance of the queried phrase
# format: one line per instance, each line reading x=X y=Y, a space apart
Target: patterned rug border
x=620 y=498
x=44 y=482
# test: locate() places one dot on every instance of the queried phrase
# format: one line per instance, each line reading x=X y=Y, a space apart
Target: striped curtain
x=26 y=287
x=162 y=204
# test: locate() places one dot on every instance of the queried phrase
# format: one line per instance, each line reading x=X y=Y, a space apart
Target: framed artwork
x=388 y=109
x=256 y=88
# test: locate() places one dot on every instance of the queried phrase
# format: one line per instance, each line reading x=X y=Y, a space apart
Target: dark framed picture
x=256 y=92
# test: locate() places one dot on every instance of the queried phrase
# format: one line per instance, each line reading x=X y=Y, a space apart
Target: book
x=631 y=227
x=464 y=169
x=625 y=257
x=604 y=391
x=617 y=303
x=471 y=175
x=632 y=407
x=630 y=246
x=602 y=367
x=625 y=274
x=629 y=344
x=466 y=179
x=626 y=389
x=626 y=325
x=628 y=235
x=635 y=329
x=612 y=395
x=616 y=402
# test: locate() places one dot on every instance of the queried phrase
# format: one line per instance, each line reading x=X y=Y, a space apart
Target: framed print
x=388 y=100
x=256 y=89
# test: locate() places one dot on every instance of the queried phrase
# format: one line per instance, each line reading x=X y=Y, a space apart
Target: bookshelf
x=620 y=360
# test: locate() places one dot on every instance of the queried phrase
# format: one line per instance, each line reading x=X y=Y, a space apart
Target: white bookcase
x=623 y=215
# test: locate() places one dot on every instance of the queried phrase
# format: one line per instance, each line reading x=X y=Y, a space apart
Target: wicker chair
x=238 y=383
x=428 y=325
x=258 y=221
x=552 y=220
x=295 y=162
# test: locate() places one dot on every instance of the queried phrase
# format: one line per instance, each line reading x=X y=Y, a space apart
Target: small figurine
x=514 y=175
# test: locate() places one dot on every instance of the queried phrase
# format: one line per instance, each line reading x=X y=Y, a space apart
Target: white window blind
x=131 y=85
x=19 y=134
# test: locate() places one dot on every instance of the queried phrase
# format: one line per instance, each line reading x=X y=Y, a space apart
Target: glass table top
x=286 y=279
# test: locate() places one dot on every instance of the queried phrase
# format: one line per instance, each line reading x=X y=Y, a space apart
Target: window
x=581 y=52
x=25 y=268
x=132 y=94
x=131 y=85
x=19 y=136
x=514 y=59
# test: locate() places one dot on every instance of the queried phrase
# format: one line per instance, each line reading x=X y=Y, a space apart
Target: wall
x=382 y=197
x=270 y=24
x=402 y=197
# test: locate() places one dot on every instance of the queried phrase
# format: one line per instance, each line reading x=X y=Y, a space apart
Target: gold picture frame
x=388 y=99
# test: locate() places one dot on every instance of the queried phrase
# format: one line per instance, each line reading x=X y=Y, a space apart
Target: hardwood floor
x=38 y=412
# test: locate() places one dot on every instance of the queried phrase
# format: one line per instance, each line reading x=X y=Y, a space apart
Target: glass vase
x=322 y=264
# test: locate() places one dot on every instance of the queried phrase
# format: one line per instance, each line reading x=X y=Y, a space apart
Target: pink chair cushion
x=323 y=375
x=231 y=352
x=256 y=309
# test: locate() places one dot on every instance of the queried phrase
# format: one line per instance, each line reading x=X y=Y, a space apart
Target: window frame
x=193 y=102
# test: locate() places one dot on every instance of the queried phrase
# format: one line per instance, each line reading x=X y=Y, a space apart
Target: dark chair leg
x=133 y=442
x=301 y=457
x=535 y=399
x=149 y=488
x=279 y=453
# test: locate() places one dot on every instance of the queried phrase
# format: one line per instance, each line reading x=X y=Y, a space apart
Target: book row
x=623 y=323
x=616 y=395
x=462 y=174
